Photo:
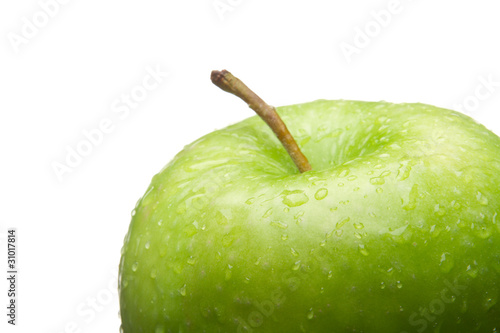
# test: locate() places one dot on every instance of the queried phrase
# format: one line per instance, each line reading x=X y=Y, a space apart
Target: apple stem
x=231 y=84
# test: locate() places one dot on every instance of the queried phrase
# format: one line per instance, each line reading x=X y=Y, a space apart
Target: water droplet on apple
x=182 y=290
x=344 y=173
x=153 y=273
x=399 y=285
x=342 y=222
x=258 y=261
x=404 y=171
x=382 y=285
x=321 y=194
x=286 y=209
x=379 y=190
x=124 y=283
x=377 y=181
x=322 y=243
x=147 y=245
x=279 y=224
x=339 y=232
x=351 y=178
x=191 y=260
x=250 y=201
x=490 y=302
x=484 y=232
x=133 y=212
x=268 y=213
x=284 y=237
x=160 y=223
x=310 y=314
x=294 y=198
x=358 y=226
x=358 y=235
x=330 y=274
x=482 y=199
x=472 y=271
x=294 y=252
x=296 y=265
x=228 y=274
x=134 y=266
x=363 y=250
x=446 y=263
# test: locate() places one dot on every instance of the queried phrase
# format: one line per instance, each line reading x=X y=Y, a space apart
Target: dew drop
x=294 y=198
x=147 y=245
x=377 y=181
x=268 y=213
x=363 y=250
x=358 y=226
x=446 y=263
x=228 y=274
x=379 y=190
x=382 y=285
x=191 y=260
x=490 y=302
x=160 y=222
x=399 y=285
x=310 y=314
x=351 y=178
x=250 y=201
x=484 y=233
x=134 y=266
x=343 y=173
x=284 y=237
x=279 y=224
x=182 y=290
x=342 y=222
x=296 y=265
x=358 y=235
x=133 y=212
x=403 y=172
x=153 y=273
x=330 y=274
x=472 y=271
x=321 y=194
x=294 y=253
x=482 y=199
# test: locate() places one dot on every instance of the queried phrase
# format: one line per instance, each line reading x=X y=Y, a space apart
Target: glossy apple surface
x=396 y=228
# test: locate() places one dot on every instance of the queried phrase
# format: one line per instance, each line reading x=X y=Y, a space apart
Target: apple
x=393 y=225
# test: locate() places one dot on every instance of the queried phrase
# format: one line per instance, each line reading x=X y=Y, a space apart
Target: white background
x=67 y=75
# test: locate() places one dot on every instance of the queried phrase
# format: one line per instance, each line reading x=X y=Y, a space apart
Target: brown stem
x=227 y=82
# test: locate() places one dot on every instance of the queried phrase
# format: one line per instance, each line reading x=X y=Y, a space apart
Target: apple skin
x=396 y=228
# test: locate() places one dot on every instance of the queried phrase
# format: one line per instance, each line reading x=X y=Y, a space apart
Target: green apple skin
x=396 y=229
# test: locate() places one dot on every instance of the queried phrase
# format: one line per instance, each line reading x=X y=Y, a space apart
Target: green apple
x=395 y=229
